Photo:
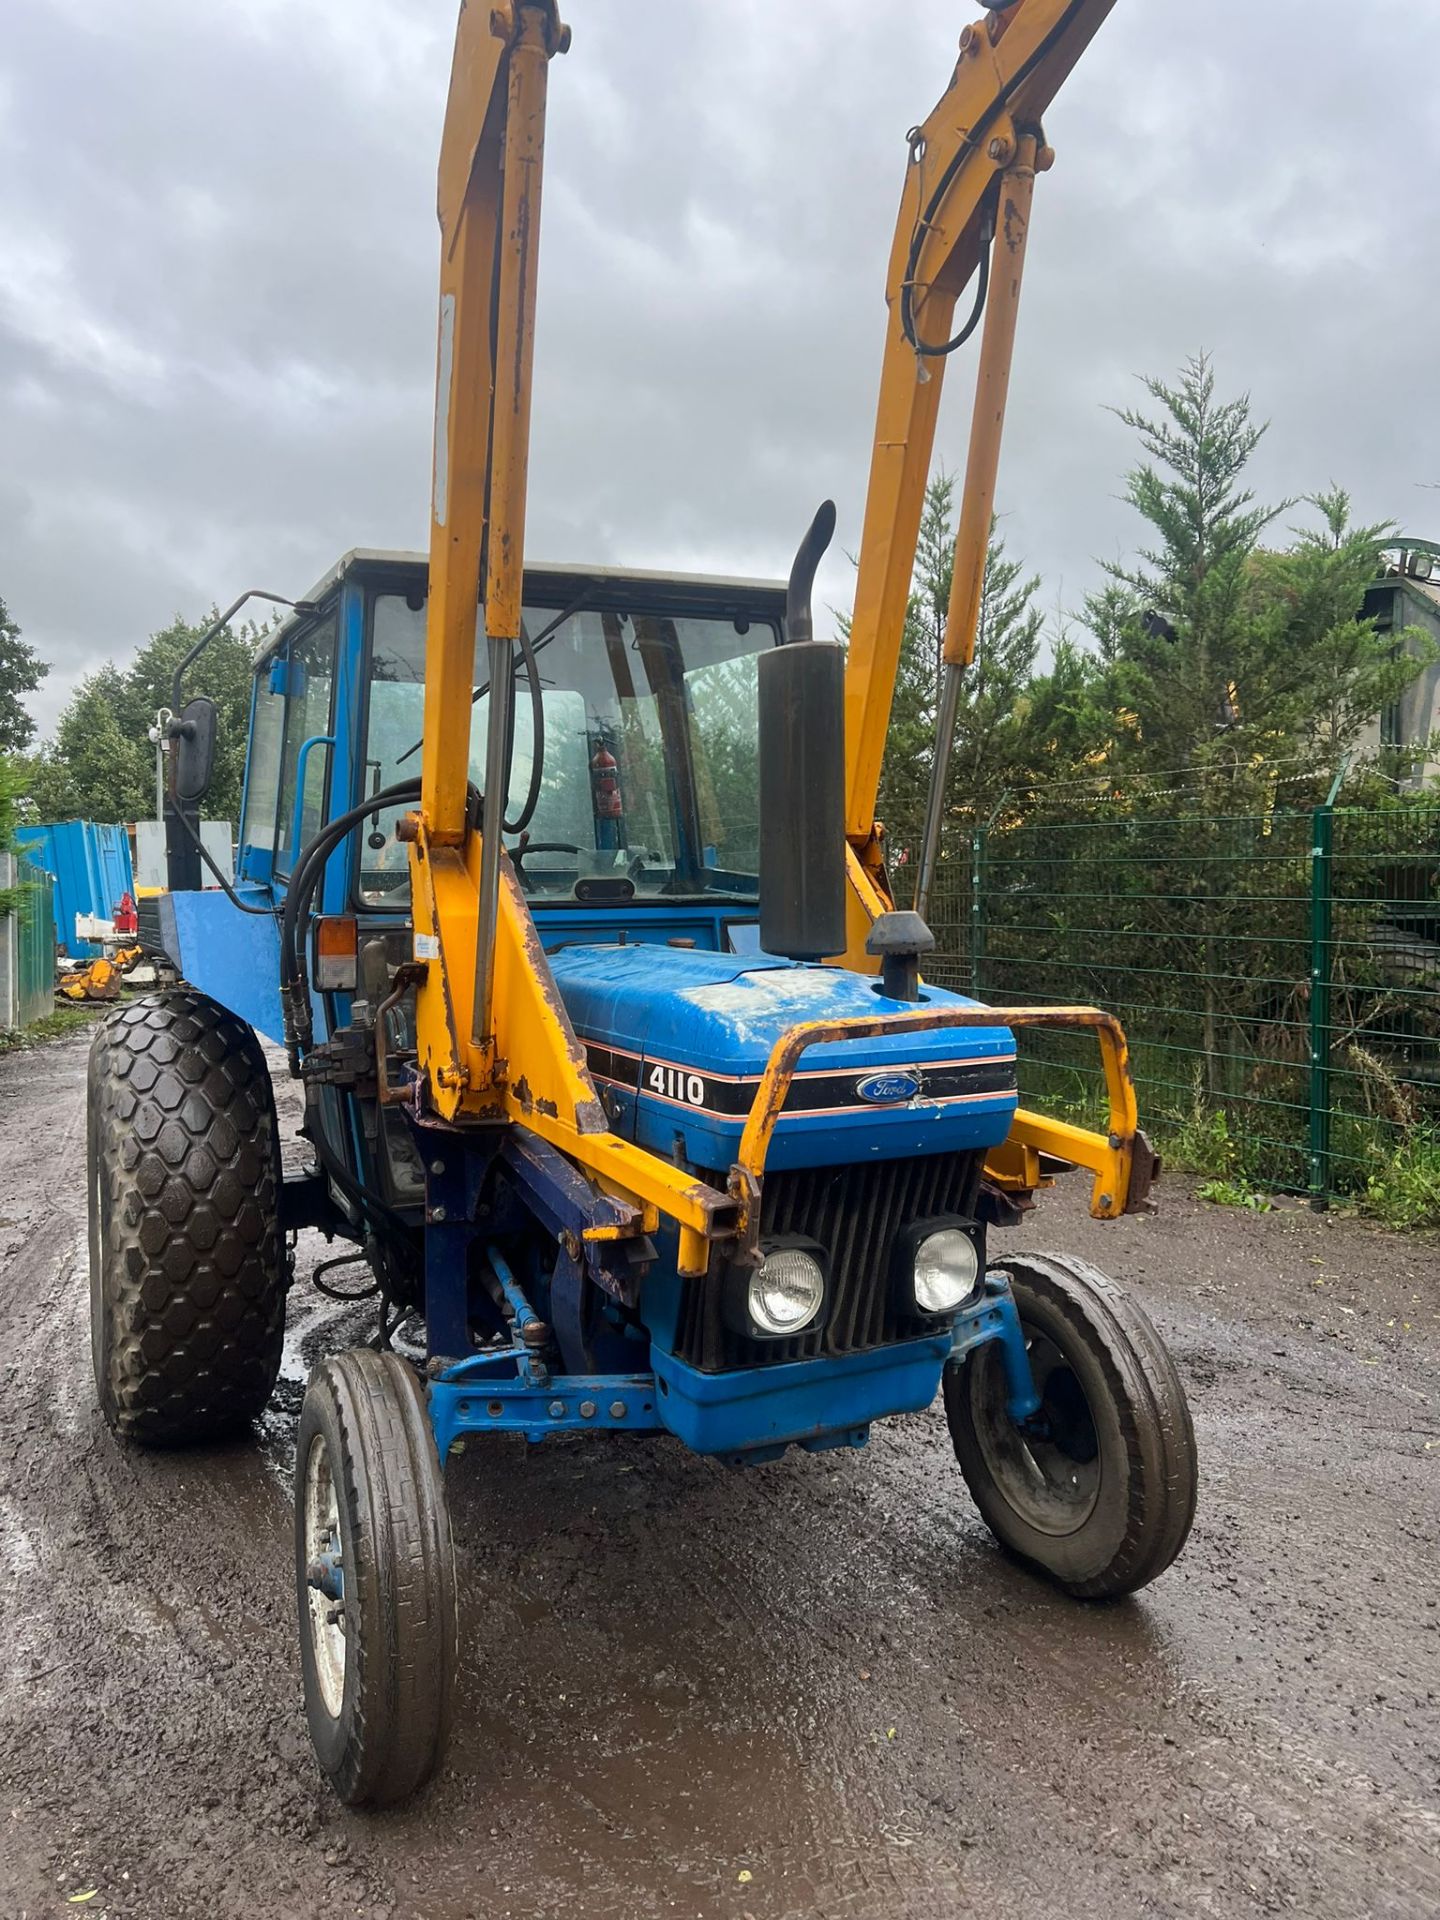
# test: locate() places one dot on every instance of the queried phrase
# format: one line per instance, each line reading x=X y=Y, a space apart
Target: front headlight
x=787 y=1290
x=947 y=1265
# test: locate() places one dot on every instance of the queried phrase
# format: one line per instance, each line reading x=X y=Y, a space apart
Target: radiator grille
x=855 y=1213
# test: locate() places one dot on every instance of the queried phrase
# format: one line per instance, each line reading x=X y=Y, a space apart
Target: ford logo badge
x=881 y=1089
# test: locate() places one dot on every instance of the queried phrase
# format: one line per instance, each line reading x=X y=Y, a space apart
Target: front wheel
x=375 y=1570
x=1098 y=1490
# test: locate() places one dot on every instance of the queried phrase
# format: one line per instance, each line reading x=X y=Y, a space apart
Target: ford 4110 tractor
x=562 y=891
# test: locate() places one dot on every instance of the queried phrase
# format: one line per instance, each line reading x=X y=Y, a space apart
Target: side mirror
x=192 y=750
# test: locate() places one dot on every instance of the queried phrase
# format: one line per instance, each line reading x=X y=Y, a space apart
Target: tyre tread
x=402 y=1618
x=187 y=1264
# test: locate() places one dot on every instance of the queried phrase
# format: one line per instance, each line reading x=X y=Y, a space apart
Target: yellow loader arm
x=970 y=176
x=494 y=1039
x=964 y=212
x=495 y=1043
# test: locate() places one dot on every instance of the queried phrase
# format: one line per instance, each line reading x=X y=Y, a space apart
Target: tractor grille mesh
x=854 y=1213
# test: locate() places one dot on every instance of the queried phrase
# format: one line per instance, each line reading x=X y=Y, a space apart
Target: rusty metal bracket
x=408 y=975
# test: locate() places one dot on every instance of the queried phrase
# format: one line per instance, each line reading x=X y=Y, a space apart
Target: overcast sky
x=218 y=260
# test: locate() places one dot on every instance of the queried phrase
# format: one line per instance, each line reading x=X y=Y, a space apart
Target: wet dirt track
x=813 y=1689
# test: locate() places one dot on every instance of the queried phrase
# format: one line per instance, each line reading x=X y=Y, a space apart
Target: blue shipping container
x=91 y=866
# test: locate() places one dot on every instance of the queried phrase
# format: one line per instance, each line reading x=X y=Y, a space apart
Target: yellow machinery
x=490 y=1020
x=636 y=1104
x=100 y=980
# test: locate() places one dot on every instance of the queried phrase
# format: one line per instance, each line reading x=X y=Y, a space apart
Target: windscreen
x=639 y=773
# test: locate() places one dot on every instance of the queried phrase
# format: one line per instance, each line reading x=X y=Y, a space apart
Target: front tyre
x=1098 y=1491
x=375 y=1572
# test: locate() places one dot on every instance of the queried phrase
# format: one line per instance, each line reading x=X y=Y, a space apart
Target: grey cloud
x=217 y=268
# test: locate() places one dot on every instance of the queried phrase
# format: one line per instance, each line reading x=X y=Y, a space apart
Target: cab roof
x=550 y=584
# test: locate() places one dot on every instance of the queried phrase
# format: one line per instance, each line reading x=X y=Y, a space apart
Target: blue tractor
x=543 y=876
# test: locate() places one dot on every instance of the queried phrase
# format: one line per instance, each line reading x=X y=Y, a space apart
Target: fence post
x=977 y=908
x=1322 y=913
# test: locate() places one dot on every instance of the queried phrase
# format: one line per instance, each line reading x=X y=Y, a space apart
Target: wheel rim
x=326 y=1596
x=1049 y=1471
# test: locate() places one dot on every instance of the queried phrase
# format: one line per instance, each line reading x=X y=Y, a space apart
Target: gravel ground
x=811 y=1689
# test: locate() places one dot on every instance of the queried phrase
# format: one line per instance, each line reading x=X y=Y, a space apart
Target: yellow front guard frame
x=1120 y=1160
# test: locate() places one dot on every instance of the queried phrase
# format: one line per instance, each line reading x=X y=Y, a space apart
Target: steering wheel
x=517 y=854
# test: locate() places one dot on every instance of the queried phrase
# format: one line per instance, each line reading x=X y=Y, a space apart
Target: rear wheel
x=1098 y=1490
x=187 y=1269
x=375 y=1573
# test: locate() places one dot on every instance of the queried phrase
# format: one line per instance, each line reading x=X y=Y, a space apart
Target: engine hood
x=677 y=1041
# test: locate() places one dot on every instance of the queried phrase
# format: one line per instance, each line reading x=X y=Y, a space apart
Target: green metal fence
x=35 y=945
x=27 y=944
x=1278 y=975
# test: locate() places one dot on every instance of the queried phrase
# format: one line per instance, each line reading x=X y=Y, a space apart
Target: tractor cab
x=546 y=911
x=632 y=805
x=632 y=828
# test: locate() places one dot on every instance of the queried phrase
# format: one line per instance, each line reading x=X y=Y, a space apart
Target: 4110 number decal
x=671 y=1083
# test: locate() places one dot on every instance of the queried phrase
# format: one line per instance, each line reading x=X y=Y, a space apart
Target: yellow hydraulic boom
x=968 y=184
x=495 y=1042
x=494 y=1038
x=964 y=212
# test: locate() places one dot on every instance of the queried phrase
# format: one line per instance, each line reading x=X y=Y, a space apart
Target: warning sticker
x=427 y=946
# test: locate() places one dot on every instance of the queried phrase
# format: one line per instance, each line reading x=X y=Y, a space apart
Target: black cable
x=304 y=877
x=337 y=1293
x=923 y=223
x=376 y=1217
x=295 y=990
x=388 y=1327
x=982 y=290
x=537 y=730
x=294 y=979
x=970 y=144
x=229 y=891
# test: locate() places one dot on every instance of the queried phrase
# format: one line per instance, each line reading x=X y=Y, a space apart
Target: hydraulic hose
x=929 y=212
x=294 y=985
x=294 y=979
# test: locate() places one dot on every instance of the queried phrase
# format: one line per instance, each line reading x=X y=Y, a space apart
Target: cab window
x=646 y=776
x=262 y=772
x=309 y=686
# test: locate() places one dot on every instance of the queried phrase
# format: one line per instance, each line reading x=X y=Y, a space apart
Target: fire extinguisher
x=127 y=920
x=605 y=797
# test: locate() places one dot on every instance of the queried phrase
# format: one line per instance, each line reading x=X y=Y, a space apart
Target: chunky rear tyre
x=375 y=1569
x=187 y=1269
x=1097 y=1492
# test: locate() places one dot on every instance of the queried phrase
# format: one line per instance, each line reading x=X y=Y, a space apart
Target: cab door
x=287 y=769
